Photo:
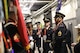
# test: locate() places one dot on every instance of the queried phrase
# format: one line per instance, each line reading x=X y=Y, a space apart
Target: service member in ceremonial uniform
x=38 y=36
x=47 y=36
x=11 y=28
x=60 y=30
x=31 y=34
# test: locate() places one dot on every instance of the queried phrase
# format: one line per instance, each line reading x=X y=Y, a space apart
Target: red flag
x=22 y=26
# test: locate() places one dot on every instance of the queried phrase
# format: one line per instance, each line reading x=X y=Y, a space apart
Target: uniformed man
x=47 y=35
x=38 y=36
x=60 y=30
x=11 y=28
x=31 y=34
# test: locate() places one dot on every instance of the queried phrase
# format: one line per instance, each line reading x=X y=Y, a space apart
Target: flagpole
x=5 y=6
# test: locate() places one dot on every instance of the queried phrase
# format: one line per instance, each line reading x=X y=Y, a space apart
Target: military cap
x=28 y=21
x=58 y=15
x=46 y=19
x=38 y=23
x=78 y=26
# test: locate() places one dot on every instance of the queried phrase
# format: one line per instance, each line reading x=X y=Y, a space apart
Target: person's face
x=57 y=20
x=60 y=19
x=47 y=24
x=13 y=17
x=30 y=25
x=39 y=26
x=11 y=3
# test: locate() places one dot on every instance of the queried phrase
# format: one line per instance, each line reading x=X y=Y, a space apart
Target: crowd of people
x=41 y=40
x=52 y=40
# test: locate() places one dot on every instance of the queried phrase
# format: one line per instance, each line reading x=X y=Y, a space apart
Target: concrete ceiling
x=29 y=6
x=33 y=5
x=38 y=5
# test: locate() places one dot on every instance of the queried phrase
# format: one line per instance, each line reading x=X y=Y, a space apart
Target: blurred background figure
x=77 y=46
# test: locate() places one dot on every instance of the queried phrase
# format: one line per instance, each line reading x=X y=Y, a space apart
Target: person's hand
x=38 y=33
x=73 y=44
x=55 y=28
x=50 y=45
x=8 y=40
x=59 y=23
x=10 y=49
x=16 y=39
x=41 y=49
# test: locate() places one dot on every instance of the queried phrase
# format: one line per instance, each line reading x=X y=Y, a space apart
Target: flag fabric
x=22 y=26
x=1 y=39
x=5 y=41
x=59 y=5
x=5 y=7
x=1 y=45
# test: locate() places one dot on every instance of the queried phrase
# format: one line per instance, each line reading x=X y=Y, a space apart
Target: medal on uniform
x=59 y=33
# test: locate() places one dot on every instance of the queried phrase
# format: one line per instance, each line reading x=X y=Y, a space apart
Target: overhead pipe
x=44 y=8
x=47 y=6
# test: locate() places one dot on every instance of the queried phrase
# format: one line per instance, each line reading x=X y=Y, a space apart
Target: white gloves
x=31 y=44
x=50 y=45
x=44 y=37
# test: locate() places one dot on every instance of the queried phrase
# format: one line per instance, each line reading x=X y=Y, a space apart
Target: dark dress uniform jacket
x=60 y=39
x=38 y=40
x=17 y=46
x=34 y=39
x=49 y=33
x=77 y=48
x=68 y=39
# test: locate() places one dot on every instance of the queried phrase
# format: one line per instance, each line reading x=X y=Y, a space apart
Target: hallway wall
x=78 y=12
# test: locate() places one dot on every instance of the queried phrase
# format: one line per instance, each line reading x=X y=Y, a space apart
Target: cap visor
x=76 y=27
